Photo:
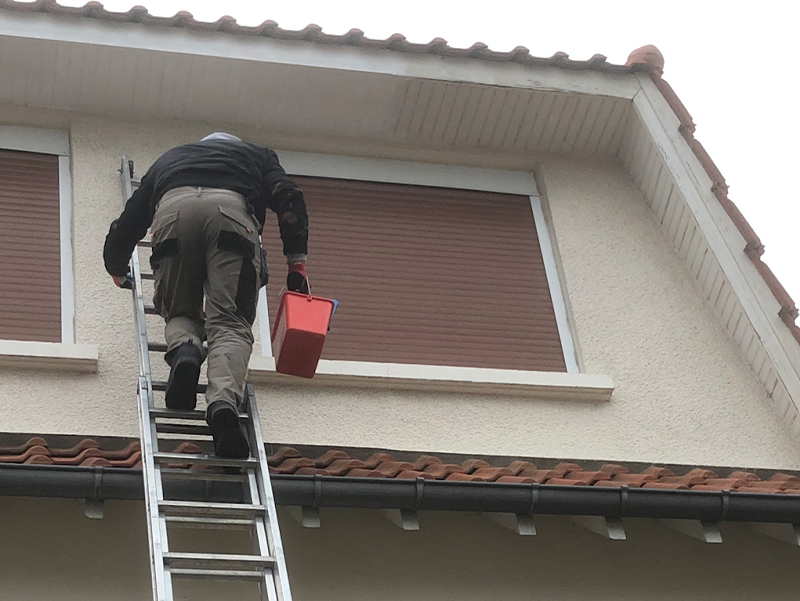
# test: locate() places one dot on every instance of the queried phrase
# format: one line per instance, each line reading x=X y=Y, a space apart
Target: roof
x=290 y=461
x=648 y=59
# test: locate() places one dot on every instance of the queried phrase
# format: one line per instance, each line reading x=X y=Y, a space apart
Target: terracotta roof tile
x=341 y=467
x=339 y=463
x=647 y=58
x=282 y=454
x=413 y=474
x=491 y=473
x=612 y=469
x=471 y=465
x=391 y=469
x=592 y=477
x=329 y=457
x=461 y=476
x=376 y=459
x=440 y=471
x=16 y=450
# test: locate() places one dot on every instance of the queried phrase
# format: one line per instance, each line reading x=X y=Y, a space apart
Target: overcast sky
x=733 y=65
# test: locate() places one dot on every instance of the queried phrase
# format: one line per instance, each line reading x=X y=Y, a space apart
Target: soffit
x=297 y=99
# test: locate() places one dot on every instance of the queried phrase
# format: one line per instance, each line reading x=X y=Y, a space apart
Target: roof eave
x=515 y=69
x=100 y=483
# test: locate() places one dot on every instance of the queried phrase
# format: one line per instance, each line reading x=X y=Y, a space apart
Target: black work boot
x=182 y=385
x=230 y=440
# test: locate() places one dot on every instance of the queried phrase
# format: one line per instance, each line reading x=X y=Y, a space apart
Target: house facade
x=544 y=289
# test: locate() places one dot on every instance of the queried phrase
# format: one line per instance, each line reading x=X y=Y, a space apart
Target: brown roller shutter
x=30 y=264
x=432 y=276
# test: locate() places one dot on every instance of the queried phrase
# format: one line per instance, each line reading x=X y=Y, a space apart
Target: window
x=429 y=275
x=35 y=281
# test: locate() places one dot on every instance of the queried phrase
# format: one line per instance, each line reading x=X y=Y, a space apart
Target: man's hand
x=296 y=280
x=125 y=281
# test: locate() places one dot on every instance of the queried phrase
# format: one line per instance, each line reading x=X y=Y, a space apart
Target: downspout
x=435 y=495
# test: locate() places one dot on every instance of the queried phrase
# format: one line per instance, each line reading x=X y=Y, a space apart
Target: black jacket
x=252 y=171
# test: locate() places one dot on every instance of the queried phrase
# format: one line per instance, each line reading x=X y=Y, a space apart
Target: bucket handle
x=283 y=289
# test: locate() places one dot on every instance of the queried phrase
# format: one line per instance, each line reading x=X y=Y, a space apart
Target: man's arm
x=287 y=201
x=126 y=231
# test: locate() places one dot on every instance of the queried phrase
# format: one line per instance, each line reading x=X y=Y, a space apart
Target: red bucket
x=299 y=333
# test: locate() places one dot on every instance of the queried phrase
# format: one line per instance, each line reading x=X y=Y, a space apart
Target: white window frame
x=442 y=176
x=55 y=142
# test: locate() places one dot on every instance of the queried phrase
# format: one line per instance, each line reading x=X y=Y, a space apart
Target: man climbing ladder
x=206 y=202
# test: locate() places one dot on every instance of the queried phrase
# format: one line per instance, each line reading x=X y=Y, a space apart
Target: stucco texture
x=684 y=394
x=51 y=551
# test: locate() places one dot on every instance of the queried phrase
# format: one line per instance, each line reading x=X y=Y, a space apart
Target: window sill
x=433 y=378
x=48 y=356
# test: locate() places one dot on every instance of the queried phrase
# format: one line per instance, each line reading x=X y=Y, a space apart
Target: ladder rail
x=161 y=581
x=267 y=497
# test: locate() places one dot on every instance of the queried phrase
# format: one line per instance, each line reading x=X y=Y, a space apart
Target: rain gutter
x=101 y=483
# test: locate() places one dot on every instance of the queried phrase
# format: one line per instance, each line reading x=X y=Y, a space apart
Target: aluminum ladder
x=267 y=565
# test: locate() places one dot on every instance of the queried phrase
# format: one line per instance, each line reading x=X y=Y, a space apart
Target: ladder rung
x=216 y=574
x=187 y=415
x=188 y=429
x=161 y=347
x=175 y=414
x=150 y=309
x=186 y=458
x=183 y=521
x=218 y=559
x=203 y=475
x=147 y=274
x=213 y=509
x=161 y=385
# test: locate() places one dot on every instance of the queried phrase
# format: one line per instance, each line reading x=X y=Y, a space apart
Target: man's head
x=221 y=136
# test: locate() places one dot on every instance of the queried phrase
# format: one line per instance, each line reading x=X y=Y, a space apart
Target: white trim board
x=56 y=142
x=48 y=356
x=306 y=54
x=435 y=378
x=443 y=176
x=34 y=139
x=409 y=172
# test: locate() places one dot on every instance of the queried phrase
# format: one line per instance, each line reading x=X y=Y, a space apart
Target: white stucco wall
x=51 y=551
x=684 y=395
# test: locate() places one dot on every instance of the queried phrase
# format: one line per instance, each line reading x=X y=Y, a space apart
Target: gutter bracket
x=308 y=517
x=700 y=529
x=521 y=524
x=609 y=527
x=93 y=507
x=408 y=519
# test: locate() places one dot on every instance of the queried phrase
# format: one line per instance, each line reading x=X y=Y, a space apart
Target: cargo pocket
x=165 y=246
x=242 y=239
x=165 y=238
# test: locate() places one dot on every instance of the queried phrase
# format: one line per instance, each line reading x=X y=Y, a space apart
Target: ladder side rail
x=268 y=583
x=156 y=527
x=267 y=498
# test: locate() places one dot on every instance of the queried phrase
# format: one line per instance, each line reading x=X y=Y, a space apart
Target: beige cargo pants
x=206 y=243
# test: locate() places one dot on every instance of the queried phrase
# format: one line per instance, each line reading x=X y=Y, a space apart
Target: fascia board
x=306 y=54
x=723 y=238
